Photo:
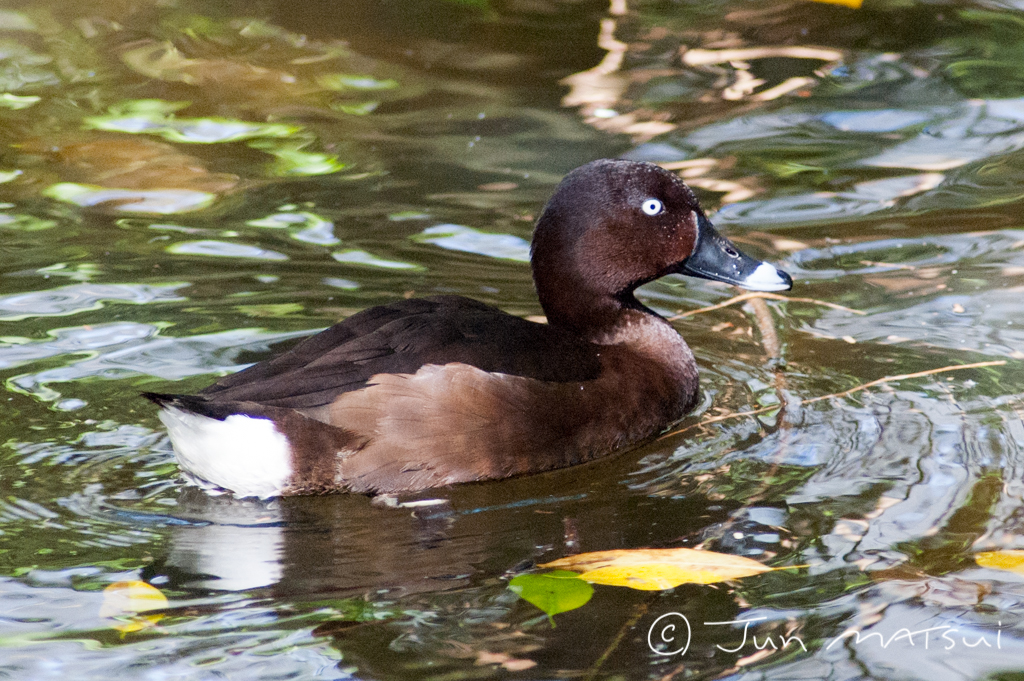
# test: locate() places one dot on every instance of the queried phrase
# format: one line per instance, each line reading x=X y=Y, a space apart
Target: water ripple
x=223 y=249
x=469 y=240
x=125 y=349
x=67 y=300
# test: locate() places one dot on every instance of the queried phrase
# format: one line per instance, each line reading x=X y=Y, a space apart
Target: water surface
x=189 y=185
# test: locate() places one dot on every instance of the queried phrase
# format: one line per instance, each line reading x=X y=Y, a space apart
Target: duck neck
x=592 y=312
x=619 y=320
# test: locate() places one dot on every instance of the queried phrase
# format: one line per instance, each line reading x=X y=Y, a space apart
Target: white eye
x=652 y=206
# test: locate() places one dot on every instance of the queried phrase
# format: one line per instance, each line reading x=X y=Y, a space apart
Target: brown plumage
x=429 y=392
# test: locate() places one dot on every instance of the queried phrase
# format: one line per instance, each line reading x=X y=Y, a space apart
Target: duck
x=429 y=392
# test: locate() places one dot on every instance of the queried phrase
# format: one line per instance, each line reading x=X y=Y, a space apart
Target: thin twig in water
x=872 y=263
x=638 y=612
x=761 y=294
x=900 y=377
x=772 y=347
x=766 y=327
x=681 y=667
x=844 y=393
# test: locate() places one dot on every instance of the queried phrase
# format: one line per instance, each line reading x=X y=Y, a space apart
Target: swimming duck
x=428 y=392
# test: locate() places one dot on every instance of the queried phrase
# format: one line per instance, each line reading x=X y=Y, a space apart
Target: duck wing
x=401 y=337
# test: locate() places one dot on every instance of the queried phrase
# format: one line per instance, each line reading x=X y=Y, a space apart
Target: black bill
x=715 y=257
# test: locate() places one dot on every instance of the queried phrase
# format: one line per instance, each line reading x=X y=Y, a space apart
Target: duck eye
x=652 y=206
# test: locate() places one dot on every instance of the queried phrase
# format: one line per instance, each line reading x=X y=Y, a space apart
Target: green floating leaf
x=553 y=592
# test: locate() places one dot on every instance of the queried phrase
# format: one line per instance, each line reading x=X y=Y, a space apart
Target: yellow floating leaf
x=1012 y=560
x=852 y=4
x=657 y=569
x=123 y=601
x=654 y=577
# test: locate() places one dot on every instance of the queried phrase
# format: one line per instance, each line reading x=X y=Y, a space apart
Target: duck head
x=614 y=225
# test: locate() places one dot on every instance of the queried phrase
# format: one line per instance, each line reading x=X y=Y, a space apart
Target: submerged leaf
x=122 y=601
x=128 y=162
x=554 y=592
x=1011 y=559
x=852 y=4
x=163 y=61
x=656 y=569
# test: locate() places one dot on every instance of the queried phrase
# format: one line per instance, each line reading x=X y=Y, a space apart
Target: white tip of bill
x=767 y=278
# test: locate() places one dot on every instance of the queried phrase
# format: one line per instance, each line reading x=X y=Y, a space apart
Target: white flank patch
x=765 y=278
x=246 y=456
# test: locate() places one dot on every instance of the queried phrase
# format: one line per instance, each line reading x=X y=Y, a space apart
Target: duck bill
x=715 y=257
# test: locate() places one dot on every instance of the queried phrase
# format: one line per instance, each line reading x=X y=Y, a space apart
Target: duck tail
x=161 y=399
x=195 y=404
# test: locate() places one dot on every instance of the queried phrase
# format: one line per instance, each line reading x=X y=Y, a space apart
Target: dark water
x=187 y=184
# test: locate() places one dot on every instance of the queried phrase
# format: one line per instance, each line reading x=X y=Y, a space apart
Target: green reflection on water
x=321 y=158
